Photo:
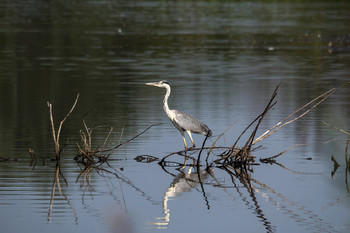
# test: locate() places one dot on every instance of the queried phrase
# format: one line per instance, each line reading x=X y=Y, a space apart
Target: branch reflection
x=242 y=174
x=56 y=182
x=250 y=190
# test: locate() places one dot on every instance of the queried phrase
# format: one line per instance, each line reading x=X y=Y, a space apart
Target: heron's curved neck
x=165 y=101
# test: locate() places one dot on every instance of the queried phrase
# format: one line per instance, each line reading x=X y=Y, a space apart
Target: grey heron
x=182 y=121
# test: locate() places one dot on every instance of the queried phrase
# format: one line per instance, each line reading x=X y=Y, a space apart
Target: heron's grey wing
x=188 y=122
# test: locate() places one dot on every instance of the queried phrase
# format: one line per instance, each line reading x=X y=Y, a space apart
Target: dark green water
x=223 y=60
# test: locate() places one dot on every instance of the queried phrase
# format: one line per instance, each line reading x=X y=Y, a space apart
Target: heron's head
x=159 y=84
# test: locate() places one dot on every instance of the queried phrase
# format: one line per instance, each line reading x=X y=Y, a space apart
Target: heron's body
x=182 y=121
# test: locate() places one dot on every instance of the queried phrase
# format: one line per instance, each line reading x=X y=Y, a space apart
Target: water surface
x=223 y=60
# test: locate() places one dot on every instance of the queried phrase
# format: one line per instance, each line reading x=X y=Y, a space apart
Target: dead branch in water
x=299 y=113
x=86 y=151
x=240 y=155
x=56 y=137
x=339 y=129
x=236 y=156
x=90 y=158
x=58 y=150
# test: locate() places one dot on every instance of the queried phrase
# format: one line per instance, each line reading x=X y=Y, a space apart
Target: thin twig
x=299 y=145
x=127 y=141
x=109 y=134
x=65 y=118
x=346 y=154
x=213 y=145
x=249 y=142
x=284 y=122
x=268 y=107
x=53 y=128
x=121 y=134
x=339 y=129
x=56 y=137
x=281 y=153
x=200 y=152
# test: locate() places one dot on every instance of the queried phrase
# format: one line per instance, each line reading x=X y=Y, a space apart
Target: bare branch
x=127 y=141
x=56 y=137
x=53 y=128
x=213 y=145
x=284 y=122
x=281 y=153
x=65 y=118
x=339 y=129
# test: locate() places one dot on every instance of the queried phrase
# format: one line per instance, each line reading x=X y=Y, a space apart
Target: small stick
x=127 y=141
x=281 y=153
x=213 y=145
x=268 y=107
x=121 y=134
x=346 y=154
x=56 y=137
x=299 y=145
x=32 y=154
x=339 y=129
x=200 y=152
x=284 y=122
x=109 y=134
x=249 y=142
x=89 y=132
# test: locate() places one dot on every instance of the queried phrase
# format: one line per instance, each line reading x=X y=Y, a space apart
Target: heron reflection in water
x=183 y=182
x=182 y=121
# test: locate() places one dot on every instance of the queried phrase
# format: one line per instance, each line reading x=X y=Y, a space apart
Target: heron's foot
x=193 y=147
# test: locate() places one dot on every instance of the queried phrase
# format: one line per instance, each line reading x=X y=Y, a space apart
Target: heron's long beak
x=152 y=84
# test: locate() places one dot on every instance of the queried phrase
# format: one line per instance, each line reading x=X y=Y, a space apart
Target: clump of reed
x=86 y=152
x=100 y=154
x=90 y=157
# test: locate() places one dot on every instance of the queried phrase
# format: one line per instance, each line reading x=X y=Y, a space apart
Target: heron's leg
x=189 y=134
x=183 y=137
